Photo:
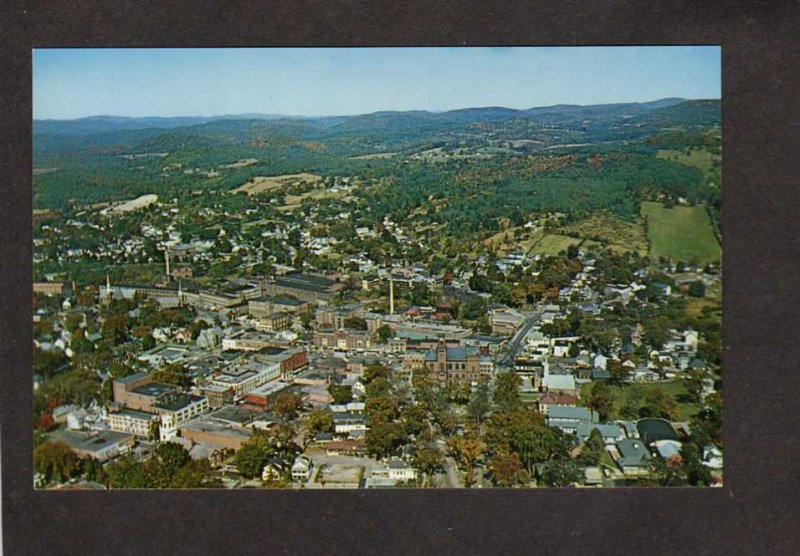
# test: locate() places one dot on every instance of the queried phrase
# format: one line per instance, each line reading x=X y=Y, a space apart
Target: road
x=451 y=472
x=512 y=348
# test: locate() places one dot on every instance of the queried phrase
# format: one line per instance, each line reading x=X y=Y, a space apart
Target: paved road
x=513 y=346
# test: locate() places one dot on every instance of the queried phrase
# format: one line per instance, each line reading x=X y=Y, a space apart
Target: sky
x=74 y=83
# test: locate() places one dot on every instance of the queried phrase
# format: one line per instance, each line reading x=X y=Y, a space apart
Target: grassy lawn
x=697 y=158
x=685 y=407
x=680 y=233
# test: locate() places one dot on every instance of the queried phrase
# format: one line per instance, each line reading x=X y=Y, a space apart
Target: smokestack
x=391 y=295
x=166 y=259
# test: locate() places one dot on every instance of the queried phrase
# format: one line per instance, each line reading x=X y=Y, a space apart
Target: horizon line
x=310 y=116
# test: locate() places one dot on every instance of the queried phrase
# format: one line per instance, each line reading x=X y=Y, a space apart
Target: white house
x=301 y=468
x=600 y=361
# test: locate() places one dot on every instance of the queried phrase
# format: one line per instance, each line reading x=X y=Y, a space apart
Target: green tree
x=560 y=473
x=383 y=438
x=287 y=405
x=384 y=333
x=467 y=450
x=659 y=403
x=479 y=404
x=601 y=400
x=253 y=455
x=79 y=344
x=375 y=371
x=592 y=450
x=340 y=393
x=696 y=289
x=127 y=472
x=148 y=342
x=506 y=395
x=319 y=420
x=55 y=460
x=115 y=328
x=427 y=459
x=195 y=474
x=171 y=456
x=695 y=383
x=355 y=323
x=413 y=418
x=473 y=308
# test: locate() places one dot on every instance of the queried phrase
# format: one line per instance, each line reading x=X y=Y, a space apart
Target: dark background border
x=754 y=513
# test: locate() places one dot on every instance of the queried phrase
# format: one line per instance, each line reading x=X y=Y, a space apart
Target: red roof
x=555 y=398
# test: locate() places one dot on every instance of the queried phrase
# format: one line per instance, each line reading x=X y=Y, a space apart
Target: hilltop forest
x=474 y=171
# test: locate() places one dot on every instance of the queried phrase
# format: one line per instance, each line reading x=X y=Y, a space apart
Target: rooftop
x=90 y=442
x=130 y=378
x=136 y=414
x=567 y=412
x=280 y=300
x=652 y=430
x=305 y=282
x=177 y=402
x=154 y=389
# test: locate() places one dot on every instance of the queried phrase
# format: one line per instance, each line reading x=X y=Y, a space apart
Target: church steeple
x=108 y=288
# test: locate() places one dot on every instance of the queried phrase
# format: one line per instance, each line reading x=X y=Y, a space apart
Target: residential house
x=302 y=468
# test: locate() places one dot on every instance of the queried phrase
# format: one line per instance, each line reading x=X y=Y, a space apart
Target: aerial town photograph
x=367 y=268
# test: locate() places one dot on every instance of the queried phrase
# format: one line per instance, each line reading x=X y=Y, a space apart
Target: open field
x=260 y=184
x=293 y=201
x=685 y=407
x=697 y=158
x=553 y=244
x=681 y=233
x=134 y=204
x=605 y=229
x=244 y=163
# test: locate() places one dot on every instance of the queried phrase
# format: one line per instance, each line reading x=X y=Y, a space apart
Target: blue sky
x=73 y=83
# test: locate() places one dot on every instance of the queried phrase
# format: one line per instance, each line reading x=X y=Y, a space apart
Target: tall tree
x=506 y=468
x=601 y=400
x=479 y=403
x=467 y=449
x=506 y=395
x=55 y=460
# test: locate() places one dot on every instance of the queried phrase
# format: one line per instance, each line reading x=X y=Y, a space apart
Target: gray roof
x=453 y=353
x=655 y=429
x=154 y=389
x=633 y=453
x=566 y=412
x=281 y=300
x=89 y=442
x=607 y=430
x=177 y=402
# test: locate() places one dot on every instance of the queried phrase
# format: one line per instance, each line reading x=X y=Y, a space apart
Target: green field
x=553 y=244
x=697 y=158
x=681 y=233
x=618 y=234
x=685 y=407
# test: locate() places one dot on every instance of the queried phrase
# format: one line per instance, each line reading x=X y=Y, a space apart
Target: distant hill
x=106 y=157
x=375 y=121
x=105 y=124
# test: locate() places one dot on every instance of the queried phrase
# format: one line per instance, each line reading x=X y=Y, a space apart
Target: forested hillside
x=465 y=169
